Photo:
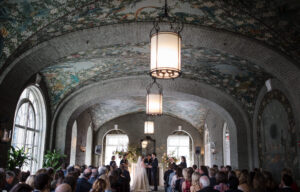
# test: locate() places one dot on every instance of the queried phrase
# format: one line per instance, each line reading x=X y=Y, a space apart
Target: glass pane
x=18 y=137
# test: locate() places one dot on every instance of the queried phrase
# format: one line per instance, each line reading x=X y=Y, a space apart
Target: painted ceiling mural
x=25 y=23
x=233 y=75
x=190 y=111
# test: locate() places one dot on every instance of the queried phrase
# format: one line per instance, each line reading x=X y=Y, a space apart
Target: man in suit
x=205 y=185
x=83 y=184
x=154 y=166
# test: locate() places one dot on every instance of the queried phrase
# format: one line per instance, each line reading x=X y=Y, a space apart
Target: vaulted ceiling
x=25 y=24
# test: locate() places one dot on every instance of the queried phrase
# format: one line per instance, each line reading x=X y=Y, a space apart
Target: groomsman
x=154 y=166
x=147 y=162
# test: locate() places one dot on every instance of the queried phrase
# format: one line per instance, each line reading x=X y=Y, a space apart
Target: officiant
x=148 y=161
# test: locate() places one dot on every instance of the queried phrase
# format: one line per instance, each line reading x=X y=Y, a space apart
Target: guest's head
x=30 y=181
x=231 y=174
x=195 y=167
x=179 y=172
x=153 y=155
x=99 y=186
x=187 y=174
x=183 y=159
x=71 y=181
x=195 y=178
x=212 y=172
x=102 y=170
x=243 y=178
x=43 y=170
x=233 y=183
x=87 y=173
x=21 y=187
x=113 y=158
x=59 y=174
x=63 y=188
x=221 y=177
x=259 y=182
x=50 y=172
x=10 y=176
x=2 y=179
x=203 y=170
x=204 y=181
x=228 y=168
x=42 y=182
x=24 y=176
x=125 y=156
x=286 y=180
x=94 y=172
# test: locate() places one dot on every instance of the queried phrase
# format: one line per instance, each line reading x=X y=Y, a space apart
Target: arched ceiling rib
x=27 y=23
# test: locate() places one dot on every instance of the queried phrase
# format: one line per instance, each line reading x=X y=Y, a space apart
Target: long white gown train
x=140 y=180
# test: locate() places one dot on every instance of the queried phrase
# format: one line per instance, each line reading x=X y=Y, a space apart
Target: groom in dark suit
x=154 y=166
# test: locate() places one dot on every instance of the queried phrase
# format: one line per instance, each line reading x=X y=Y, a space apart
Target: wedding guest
x=83 y=184
x=105 y=177
x=94 y=176
x=212 y=177
x=166 y=176
x=42 y=183
x=195 y=167
x=24 y=176
x=179 y=180
x=124 y=161
x=113 y=163
x=72 y=181
x=233 y=184
x=63 y=188
x=10 y=176
x=205 y=185
x=30 y=181
x=171 y=176
x=289 y=172
x=187 y=175
x=203 y=170
x=2 y=180
x=258 y=183
x=125 y=178
x=195 y=182
x=243 y=181
x=183 y=162
x=21 y=187
x=221 y=182
x=286 y=183
x=99 y=186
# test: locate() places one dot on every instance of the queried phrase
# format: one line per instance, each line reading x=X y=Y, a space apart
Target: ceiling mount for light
x=166 y=47
x=154 y=99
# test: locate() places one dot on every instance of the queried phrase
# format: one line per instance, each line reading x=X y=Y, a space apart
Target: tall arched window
x=73 y=144
x=30 y=126
x=226 y=145
x=207 y=150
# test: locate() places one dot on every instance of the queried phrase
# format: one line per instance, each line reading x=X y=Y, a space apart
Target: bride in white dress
x=140 y=180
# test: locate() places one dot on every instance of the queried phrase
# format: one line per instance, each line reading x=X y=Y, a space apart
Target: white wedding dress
x=140 y=180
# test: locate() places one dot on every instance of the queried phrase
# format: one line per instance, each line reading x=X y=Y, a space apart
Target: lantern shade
x=149 y=127
x=144 y=144
x=154 y=104
x=165 y=55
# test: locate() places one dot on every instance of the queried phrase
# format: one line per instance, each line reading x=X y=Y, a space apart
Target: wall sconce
x=5 y=133
x=144 y=144
x=213 y=148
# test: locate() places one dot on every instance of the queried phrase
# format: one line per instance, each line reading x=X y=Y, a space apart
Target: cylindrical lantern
x=149 y=127
x=154 y=99
x=165 y=55
x=144 y=144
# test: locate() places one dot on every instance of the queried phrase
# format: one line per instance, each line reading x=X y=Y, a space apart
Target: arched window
x=207 y=150
x=180 y=144
x=89 y=143
x=226 y=145
x=30 y=126
x=115 y=141
x=73 y=144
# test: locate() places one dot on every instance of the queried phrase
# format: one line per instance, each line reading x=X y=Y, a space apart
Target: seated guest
x=270 y=183
x=42 y=183
x=183 y=162
x=243 y=181
x=205 y=185
x=289 y=172
x=171 y=176
x=221 y=182
x=63 y=188
x=102 y=170
x=124 y=161
x=179 y=180
x=83 y=184
x=187 y=175
x=30 y=181
x=105 y=177
x=10 y=176
x=2 y=180
x=113 y=163
x=72 y=181
x=195 y=182
x=99 y=186
x=258 y=183
x=203 y=170
x=195 y=167
x=24 y=176
x=114 y=181
x=212 y=177
x=125 y=178
x=21 y=187
x=233 y=184
x=166 y=176
x=286 y=183
x=94 y=176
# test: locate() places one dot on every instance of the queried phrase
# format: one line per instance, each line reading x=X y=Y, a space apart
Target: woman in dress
x=140 y=180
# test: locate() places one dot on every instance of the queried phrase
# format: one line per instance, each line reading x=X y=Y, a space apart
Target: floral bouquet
x=166 y=159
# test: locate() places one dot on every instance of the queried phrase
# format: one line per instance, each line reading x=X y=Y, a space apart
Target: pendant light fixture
x=166 y=47
x=154 y=99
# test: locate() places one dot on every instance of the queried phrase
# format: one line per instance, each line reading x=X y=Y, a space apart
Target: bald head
x=63 y=188
x=204 y=181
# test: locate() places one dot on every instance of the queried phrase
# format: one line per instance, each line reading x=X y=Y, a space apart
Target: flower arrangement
x=132 y=153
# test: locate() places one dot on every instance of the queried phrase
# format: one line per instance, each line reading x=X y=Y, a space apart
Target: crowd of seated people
x=73 y=179
x=223 y=179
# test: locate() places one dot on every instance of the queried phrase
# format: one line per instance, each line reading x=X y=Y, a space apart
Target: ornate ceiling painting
x=26 y=23
x=235 y=76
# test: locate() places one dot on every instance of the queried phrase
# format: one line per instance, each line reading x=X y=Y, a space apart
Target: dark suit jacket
x=208 y=189
x=83 y=185
x=154 y=165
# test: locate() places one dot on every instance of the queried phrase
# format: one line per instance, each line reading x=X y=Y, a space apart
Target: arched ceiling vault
x=25 y=24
